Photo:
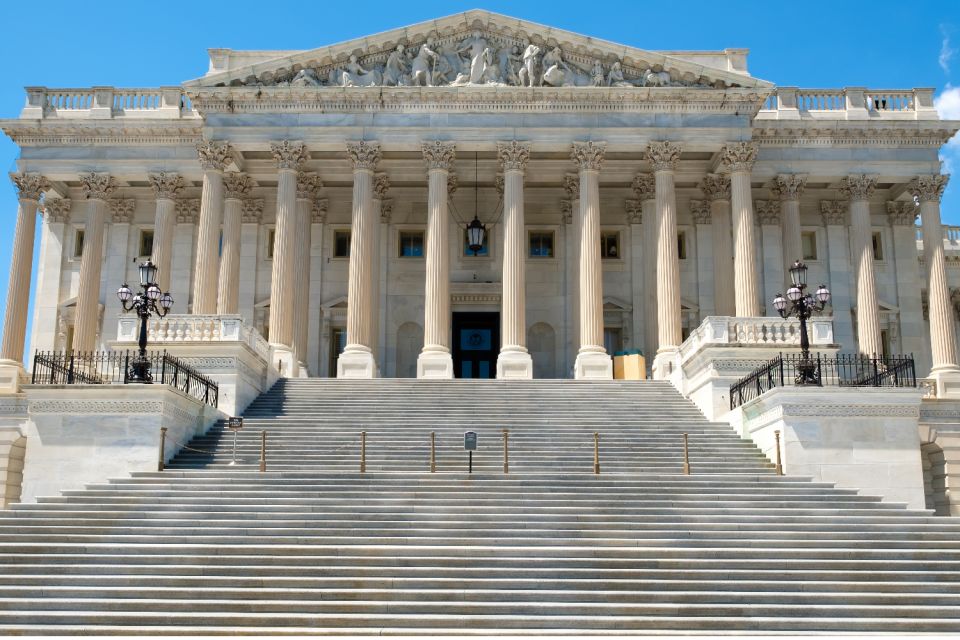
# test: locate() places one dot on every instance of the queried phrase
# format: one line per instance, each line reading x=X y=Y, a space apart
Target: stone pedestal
x=357 y=363
x=12 y=376
x=593 y=365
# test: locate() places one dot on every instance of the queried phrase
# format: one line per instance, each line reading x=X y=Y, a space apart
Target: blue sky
x=878 y=44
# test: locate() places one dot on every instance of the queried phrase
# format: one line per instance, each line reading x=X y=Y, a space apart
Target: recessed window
x=146 y=242
x=877 y=245
x=541 y=244
x=612 y=339
x=411 y=244
x=808 y=245
x=341 y=244
x=271 y=240
x=610 y=245
x=484 y=249
x=338 y=342
x=78 y=244
x=682 y=245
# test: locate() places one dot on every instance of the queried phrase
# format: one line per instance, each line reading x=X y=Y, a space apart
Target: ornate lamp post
x=803 y=305
x=145 y=303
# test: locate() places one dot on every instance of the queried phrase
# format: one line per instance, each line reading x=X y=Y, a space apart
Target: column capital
x=663 y=155
x=858 y=187
x=166 y=186
x=121 y=209
x=738 y=156
x=236 y=185
x=56 y=209
x=571 y=184
x=309 y=186
x=768 y=211
x=789 y=186
x=30 y=185
x=928 y=188
x=902 y=213
x=381 y=185
x=634 y=209
x=700 y=210
x=252 y=210
x=644 y=186
x=833 y=212
x=98 y=186
x=215 y=155
x=386 y=210
x=188 y=210
x=289 y=154
x=439 y=154
x=364 y=155
x=566 y=211
x=513 y=155
x=716 y=186
x=588 y=155
x=319 y=212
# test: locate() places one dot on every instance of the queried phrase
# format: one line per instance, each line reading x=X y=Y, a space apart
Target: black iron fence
x=113 y=367
x=835 y=371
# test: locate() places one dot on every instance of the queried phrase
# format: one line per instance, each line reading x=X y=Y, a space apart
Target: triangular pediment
x=477 y=48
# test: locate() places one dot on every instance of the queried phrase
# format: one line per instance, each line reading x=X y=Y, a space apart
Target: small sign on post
x=235 y=424
x=470 y=444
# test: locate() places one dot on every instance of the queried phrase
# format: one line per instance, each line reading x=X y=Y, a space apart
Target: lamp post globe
x=802 y=305
x=151 y=300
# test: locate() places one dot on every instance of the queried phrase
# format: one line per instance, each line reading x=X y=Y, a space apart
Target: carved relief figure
x=475 y=46
x=615 y=77
x=653 y=78
x=554 y=68
x=354 y=75
x=596 y=74
x=528 y=74
x=395 y=67
x=306 y=78
x=422 y=69
x=510 y=61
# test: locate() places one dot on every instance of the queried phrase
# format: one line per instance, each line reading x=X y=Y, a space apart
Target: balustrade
x=182 y=328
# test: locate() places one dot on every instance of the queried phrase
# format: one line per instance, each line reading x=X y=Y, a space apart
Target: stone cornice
x=28 y=133
x=820 y=133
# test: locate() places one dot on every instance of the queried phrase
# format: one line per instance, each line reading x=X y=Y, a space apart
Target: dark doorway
x=476 y=343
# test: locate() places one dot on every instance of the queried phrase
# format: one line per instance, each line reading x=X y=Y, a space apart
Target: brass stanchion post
x=506 y=451
x=263 y=451
x=776 y=437
x=433 y=452
x=163 y=447
x=686 y=457
x=363 y=452
x=596 y=453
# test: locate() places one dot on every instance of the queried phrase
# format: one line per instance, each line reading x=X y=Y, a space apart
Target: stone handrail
x=851 y=103
x=183 y=328
x=756 y=332
x=106 y=103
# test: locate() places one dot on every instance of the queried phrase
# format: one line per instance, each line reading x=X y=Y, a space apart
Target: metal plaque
x=470 y=441
x=235 y=424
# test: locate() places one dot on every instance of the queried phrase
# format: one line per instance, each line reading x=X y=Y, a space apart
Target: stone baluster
x=789 y=188
x=592 y=362
x=738 y=158
x=237 y=187
x=214 y=157
x=663 y=158
x=97 y=188
x=166 y=187
x=928 y=189
x=29 y=187
x=716 y=187
x=644 y=188
x=309 y=186
x=290 y=157
x=858 y=189
x=514 y=361
x=357 y=359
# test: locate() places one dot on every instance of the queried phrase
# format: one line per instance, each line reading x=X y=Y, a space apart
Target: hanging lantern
x=475 y=235
x=148 y=273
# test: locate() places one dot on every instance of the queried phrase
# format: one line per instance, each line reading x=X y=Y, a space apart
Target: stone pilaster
x=834 y=215
x=214 y=157
x=166 y=187
x=514 y=361
x=46 y=306
x=644 y=189
x=716 y=187
x=571 y=212
x=357 y=360
x=788 y=188
x=943 y=342
x=771 y=251
x=290 y=157
x=663 y=157
x=381 y=186
x=97 y=188
x=309 y=186
x=250 y=256
x=738 y=158
x=29 y=187
x=593 y=361
x=902 y=217
x=859 y=188
x=435 y=360
x=237 y=187
x=703 y=230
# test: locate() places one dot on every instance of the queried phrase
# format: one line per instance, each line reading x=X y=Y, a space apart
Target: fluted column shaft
x=301 y=279
x=164 y=223
x=858 y=189
x=86 y=316
x=208 y=241
x=284 y=252
x=436 y=321
x=21 y=268
x=228 y=290
x=650 y=331
x=668 y=263
x=513 y=319
x=746 y=278
x=792 y=244
x=591 y=269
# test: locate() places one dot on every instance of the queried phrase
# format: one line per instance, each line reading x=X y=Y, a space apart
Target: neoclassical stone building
x=324 y=196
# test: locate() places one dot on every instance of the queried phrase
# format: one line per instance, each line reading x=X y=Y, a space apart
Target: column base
x=12 y=376
x=357 y=364
x=435 y=365
x=666 y=365
x=593 y=365
x=947 y=382
x=514 y=365
x=285 y=360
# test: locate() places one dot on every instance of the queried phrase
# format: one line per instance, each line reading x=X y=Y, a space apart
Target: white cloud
x=946 y=51
x=947 y=105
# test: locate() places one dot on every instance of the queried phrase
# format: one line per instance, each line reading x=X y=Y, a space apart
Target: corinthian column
x=29 y=186
x=290 y=156
x=789 y=188
x=663 y=158
x=214 y=157
x=97 y=188
x=514 y=361
x=943 y=342
x=166 y=186
x=644 y=188
x=309 y=186
x=858 y=189
x=593 y=362
x=716 y=188
x=738 y=158
x=435 y=360
x=237 y=187
x=357 y=359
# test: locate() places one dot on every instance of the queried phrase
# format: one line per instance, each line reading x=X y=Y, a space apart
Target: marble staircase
x=313 y=546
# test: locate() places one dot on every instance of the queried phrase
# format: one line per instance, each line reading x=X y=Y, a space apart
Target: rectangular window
x=484 y=249
x=78 y=244
x=682 y=245
x=808 y=245
x=885 y=342
x=541 y=244
x=411 y=244
x=610 y=245
x=341 y=244
x=877 y=245
x=271 y=239
x=146 y=242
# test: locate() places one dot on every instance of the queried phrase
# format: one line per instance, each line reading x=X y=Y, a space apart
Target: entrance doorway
x=476 y=343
